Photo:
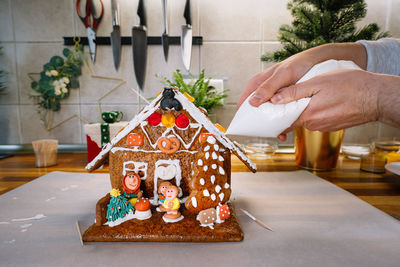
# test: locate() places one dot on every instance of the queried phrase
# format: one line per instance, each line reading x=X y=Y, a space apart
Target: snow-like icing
x=194 y=202
x=206 y=193
x=207 y=148
x=167 y=176
x=202 y=182
x=118 y=221
x=212 y=179
x=200 y=162
x=211 y=139
x=207 y=155
x=214 y=166
x=221 y=170
x=115 y=149
x=213 y=197
x=217 y=188
x=221 y=196
x=205 y=168
x=138 y=166
x=220 y=158
x=216 y=147
x=214 y=155
x=226 y=185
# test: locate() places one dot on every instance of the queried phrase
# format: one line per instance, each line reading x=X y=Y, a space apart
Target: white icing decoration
x=36 y=217
x=167 y=174
x=226 y=185
x=138 y=166
x=216 y=147
x=205 y=168
x=116 y=149
x=202 y=182
x=220 y=158
x=206 y=193
x=213 y=197
x=211 y=139
x=214 y=166
x=221 y=170
x=214 y=155
x=207 y=148
x=212 y=179
x=207 y=155
x=118 y=221
x=194 y=202
x=4 y=223
x=194 y=112
x=200 y=162
x=217 y=188
x=221 y=196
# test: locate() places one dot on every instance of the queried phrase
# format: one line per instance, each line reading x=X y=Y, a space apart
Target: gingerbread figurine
x=172 y=205
x=131 y=184
x=162 y=188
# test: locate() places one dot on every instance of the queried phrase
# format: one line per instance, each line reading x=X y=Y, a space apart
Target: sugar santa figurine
x=172 y=205
x=162 y=188
x=131 y=184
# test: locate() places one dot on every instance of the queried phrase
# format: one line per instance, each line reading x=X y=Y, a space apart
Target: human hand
x=340 y=99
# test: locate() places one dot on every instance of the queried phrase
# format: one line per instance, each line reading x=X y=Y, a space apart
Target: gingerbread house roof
x=193 y=111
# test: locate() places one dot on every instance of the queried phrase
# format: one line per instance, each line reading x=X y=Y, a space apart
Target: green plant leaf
x=74 y=82
x=66 y=52
x=57 y=61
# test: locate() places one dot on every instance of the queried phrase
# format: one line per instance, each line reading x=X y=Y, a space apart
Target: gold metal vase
x=317 y=150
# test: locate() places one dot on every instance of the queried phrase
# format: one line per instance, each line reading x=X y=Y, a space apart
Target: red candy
x=154 y=119
x=182 y=121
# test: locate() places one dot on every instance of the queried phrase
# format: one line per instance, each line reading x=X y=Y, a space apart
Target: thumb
x=294 y=92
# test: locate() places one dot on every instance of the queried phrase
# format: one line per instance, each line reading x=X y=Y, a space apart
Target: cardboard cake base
x=156 y=230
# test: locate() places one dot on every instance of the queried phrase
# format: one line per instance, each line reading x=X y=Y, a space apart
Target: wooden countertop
x=380 y=190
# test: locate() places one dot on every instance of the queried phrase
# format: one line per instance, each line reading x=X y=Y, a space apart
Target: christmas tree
x=318 y=22
x=119 y=206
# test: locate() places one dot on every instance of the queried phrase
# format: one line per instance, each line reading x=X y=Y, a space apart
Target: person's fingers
x=268 y=88
x=282 y=137
x=295 y=92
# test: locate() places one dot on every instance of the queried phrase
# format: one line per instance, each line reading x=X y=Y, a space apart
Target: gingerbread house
x=173 y=140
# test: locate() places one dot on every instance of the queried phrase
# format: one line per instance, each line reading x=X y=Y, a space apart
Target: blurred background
x=235 y=35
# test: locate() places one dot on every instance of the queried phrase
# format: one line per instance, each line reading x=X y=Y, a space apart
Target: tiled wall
x=236 y=33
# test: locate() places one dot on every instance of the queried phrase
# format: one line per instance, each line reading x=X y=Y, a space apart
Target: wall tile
x=376 y=13
x=275 y=14
x=90 y=113
x=9 y=125
x=67 y=133
x=6 y=32
x=237 y=61
x=155 y=23
x=388 y=131
x=42 y=20
x=269 y=48
x=362 y=134
x=394 y=24
x=7 y=64
x=30 y=59
x=231 y=20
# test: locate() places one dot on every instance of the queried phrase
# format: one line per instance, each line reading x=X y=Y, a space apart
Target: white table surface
x=315 y=224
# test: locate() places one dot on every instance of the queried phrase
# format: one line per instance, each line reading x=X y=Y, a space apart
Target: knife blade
x=261 y=223
x=164 y=38
x=116 y=34
x=139 y=46
x=186 y=37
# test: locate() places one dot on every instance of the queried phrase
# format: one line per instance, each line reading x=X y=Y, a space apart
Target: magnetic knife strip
x=127 y=40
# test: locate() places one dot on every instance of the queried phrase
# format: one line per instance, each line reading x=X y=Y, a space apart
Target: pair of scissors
x=91 y=23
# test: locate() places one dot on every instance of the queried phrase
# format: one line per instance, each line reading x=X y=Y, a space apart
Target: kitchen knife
x=139 y=46
x=186 y=37
x=115 y=34
x=164 y=38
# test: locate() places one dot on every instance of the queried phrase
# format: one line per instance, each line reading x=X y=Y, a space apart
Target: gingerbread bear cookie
x=209 y=184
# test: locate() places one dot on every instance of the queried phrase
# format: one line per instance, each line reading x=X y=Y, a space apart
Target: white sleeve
x=383 y=55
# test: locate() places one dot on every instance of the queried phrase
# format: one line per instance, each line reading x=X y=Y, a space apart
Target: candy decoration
x=182 y=121
x=169 y=101
x=142 y=204
x=223 y=212
x=168 y=145
x=154 y=119
x=134 y=139
x=168 y=120
x=207 y=217
x=191 y=98
x=204 y=136
x=220 y=127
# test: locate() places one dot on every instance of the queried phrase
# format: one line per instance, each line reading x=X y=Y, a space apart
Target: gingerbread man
x=131 y=184
x=171 y=203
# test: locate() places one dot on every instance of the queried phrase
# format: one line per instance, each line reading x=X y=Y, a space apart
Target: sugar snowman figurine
x=172 y=205
x=161 y=195
x=131 y=184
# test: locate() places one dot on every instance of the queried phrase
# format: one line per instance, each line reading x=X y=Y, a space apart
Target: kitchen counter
x=379 y=190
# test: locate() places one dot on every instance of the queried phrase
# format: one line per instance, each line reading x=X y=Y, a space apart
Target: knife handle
x=142 y=13
x=115 y=12
x=164 y=6
x=186 y=13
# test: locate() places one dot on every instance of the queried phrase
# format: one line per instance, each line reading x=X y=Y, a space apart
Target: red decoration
x=182 y=121
x=224 y=212
x=92 y=148
x=134 y=140
x=154 y=119
x=142 y=204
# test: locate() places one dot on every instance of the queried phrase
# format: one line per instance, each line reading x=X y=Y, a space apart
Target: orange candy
x=134 y=139
x=204 y=136
x=168 y=120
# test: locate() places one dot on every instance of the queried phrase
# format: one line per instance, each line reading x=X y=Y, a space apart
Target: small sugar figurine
x=162 y=188
x=172 y=205
x=131 y=184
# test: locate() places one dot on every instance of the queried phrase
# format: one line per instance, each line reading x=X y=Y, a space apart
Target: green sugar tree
x=119 y=207
x=318 y=22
